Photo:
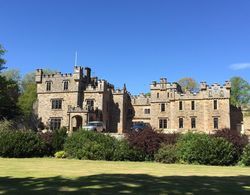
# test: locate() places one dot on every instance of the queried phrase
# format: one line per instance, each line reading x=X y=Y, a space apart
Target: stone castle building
x=72 y=100
x=170 y=109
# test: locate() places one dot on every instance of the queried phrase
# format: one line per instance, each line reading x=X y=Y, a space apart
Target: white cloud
x=240 y=66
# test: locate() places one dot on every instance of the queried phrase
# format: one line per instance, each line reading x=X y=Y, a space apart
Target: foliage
x=12 y=74
x=90 y=145
x=6 y=125
x=188 y=84
x=61 y=154
x=20 y=144
x=240 y=92
x=9 y=92
x=204 y=149
x=2 y=61
x=245 y=158
x=124 y=152
x=239 y=141
x=53 y=141
x=27 y=99
x=166 y=154
x=149 y=141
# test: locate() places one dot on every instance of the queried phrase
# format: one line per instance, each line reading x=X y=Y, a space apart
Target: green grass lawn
x=59 y=176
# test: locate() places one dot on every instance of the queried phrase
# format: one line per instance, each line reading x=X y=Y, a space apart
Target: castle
x=72 y=100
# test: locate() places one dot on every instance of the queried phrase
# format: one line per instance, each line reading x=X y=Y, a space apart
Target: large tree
x=188 y=84
x=240 y=92
x=2 y=61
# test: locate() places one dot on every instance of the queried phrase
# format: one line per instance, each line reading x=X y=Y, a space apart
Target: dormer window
x=48 y=86
x=65 y=85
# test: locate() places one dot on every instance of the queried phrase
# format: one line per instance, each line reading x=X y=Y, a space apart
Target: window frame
x=55 y=123
x=181 y=123
x=216 y=122
x=163 y=107
x=56 y=104
x=48 y=85
x=193 y=105
x=163 y=123
x=180 y=105
x=65 y=85
x=193 y=123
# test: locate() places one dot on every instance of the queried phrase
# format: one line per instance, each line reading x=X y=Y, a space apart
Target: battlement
x=163 y=85
x=141 y=99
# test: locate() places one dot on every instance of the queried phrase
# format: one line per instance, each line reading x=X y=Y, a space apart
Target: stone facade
x=172 y=110
x=72 y=100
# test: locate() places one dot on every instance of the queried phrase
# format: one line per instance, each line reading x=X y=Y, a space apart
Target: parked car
x=137 y=127
x=94 y=126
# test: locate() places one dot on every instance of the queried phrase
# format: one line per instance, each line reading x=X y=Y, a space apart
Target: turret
x=38 y=76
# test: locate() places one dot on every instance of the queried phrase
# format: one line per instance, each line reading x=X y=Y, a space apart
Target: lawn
x=63 y=176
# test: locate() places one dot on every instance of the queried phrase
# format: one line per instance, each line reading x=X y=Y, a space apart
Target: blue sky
x=130 y=41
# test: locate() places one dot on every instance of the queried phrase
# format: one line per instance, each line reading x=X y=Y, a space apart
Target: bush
x=90 y=145
x=149 y=141
x=204 y=149
x=166 y=154
x=239 y=141
x=61 y=154
x=245 y=158
x=19 y=144
x=54 y=141
x=124 y=152
x=6 y=125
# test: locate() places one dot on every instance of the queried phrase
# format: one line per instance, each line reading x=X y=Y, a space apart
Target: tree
x=12 y=74
x=28 y=97
x=188 y=84
x=240 y=92
x=9 y=92
x=2 y=61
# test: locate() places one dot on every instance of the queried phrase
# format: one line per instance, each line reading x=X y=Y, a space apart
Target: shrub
x=19 y=144
x=149 y=141
x=239 y=141
x=245 y=158
x=54 y=141
x=204 y=149
x=166 y=154
x=90 y=145
x=61 y=154
x=124 y=152
x=6 y=125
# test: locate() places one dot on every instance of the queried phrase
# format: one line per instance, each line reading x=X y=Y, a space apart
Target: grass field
x=56 y=176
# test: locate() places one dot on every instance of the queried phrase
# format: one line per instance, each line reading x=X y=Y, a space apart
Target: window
x=181 y=123
x=215 y=104
x=90 y=104
x=192 y=105
x=193 y=123
x=180 y=106
x=158 y=95
x=216 y=123
x=163 y=123
x=163 y=107
x=65 y=85
x=48 y=86
x=168 y=94
x=147 y=111
x=55 y=123
x=57 y=104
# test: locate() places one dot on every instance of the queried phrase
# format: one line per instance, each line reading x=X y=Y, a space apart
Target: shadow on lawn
x=126 y=183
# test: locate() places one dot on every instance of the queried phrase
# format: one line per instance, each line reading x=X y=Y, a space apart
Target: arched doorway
x=76 y=122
